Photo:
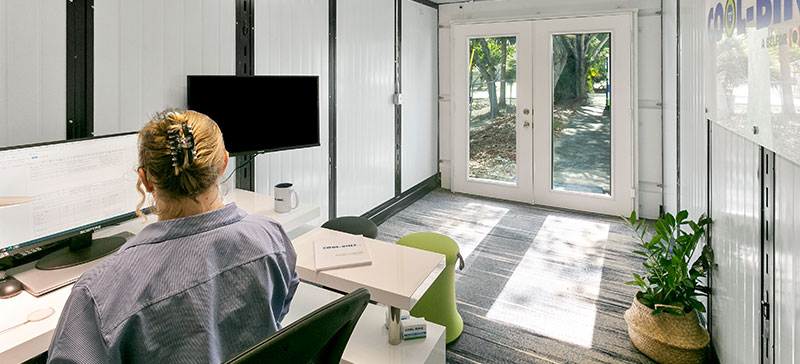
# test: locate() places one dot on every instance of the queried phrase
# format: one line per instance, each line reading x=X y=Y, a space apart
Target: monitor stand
x=82 y=249
x=40 y=281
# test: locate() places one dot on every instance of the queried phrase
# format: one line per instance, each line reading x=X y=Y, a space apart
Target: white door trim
x=623 y=115
x=522 y=189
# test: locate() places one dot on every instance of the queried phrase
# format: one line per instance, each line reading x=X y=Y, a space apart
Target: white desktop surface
x=258 y=204
x=398 y=275
x=369 y=341
x=33 y=339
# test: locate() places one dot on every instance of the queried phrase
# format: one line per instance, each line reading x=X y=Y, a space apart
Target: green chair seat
x=438 y=304
x=353 y=225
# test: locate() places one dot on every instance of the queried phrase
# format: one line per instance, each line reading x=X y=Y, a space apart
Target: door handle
x=526 y=124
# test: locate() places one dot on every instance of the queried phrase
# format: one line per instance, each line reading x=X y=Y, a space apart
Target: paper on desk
x=345 y=253
x=11 y=201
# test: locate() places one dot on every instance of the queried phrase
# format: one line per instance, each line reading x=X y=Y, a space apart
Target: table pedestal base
x=395 y=330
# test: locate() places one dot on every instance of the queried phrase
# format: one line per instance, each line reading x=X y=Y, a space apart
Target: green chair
x=438 y=304
x=353 y=225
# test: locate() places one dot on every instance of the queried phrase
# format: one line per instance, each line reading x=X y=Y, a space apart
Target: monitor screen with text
x=53 y=190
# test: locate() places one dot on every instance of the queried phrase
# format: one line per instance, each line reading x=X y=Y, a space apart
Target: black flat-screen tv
x=259 y=113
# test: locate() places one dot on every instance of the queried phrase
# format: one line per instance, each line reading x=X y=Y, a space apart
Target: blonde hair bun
x=182 y=153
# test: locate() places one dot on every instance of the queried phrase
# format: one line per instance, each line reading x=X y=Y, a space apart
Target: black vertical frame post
x=80 y=69
x=767 y=255
x=245 y=66
x=332 y=109
x=709 y=213
x=398 y=96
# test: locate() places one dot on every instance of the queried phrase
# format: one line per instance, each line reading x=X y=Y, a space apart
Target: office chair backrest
x=319 y=337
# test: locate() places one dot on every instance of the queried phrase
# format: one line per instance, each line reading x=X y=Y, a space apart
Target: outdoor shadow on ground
x=582 y=150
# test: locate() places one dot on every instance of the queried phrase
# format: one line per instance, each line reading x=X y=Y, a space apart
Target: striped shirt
x=198 y=289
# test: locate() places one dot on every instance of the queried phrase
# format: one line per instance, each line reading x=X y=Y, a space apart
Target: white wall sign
x=753 y=86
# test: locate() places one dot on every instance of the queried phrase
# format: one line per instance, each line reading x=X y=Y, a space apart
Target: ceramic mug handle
x=296 y=199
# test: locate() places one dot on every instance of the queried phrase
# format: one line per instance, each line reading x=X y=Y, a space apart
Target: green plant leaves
x=669 y=280
x=682 y=215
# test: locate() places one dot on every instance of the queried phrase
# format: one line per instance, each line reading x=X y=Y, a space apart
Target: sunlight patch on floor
x=470 y=226
x=554 y=289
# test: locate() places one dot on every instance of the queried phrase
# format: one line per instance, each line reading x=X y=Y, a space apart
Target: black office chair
x=319 y=337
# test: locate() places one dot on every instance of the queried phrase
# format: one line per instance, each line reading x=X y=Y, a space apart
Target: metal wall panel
x=291 y=37
x=670 y=99
x=787 y=262
x=420 y=89
x=693 y=126
x=736 y=238
x=365 y=122
x=143 y=51
x=444 y=106
x=649 y=84
x=650 y=189
x=33 y=71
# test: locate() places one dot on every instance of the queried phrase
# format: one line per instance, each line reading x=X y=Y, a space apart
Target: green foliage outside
x=580 y=66
x=670 y=284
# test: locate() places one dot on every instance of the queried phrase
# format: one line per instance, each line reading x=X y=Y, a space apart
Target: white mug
x=283 y=198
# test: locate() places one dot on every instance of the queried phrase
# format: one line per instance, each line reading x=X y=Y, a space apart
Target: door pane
x=581 y=115
x=493 y=108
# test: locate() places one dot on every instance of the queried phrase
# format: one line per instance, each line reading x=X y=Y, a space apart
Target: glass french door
x=492 y=142
x=584 y=140
x=556 y=128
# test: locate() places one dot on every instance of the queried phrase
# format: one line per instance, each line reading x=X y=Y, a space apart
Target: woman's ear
x=224 y=166
x=143 y=177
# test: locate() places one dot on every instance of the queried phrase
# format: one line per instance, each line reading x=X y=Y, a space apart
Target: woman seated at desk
x=203 y=283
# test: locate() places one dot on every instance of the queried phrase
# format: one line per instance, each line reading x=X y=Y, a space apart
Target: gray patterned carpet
x=539 y=286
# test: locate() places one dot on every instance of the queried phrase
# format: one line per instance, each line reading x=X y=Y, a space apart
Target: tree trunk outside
x=488 y=73
x=503 y=59
x=580 y=67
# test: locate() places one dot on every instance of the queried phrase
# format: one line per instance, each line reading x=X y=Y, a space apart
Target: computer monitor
x=64 y=191
x=259 y=113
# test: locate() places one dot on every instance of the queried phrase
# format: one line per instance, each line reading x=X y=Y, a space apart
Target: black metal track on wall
x=245 y=66
x=709 y=231
x=80 y=68
x=332 y=109
x=396 y=204
x=428 y=3
x=398 y=89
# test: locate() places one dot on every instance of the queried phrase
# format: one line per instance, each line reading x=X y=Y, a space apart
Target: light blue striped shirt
x=198 y=289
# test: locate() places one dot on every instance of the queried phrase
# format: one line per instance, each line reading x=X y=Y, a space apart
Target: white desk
x=258 y=204
x=398 y=266
x=33 y=339
x=368 y=342
x=398 y=276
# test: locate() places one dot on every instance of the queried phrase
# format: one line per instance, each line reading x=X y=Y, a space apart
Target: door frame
x=522 y=189
x=623 y=115
x=457 y=145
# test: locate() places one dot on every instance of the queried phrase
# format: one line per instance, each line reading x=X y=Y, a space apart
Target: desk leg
x=395 y=331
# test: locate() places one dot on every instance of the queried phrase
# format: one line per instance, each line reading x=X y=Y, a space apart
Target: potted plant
x=662 y=321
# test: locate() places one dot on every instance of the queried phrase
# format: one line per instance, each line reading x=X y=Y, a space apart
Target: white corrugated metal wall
x=143 y=51
x=787 y=262
x=669 y=43
x=291 y=37
x=736 y=210
x=365 y=118
x=693 y=126
x=736 y=238
x=649 y=83
x=33 y=68
x=419 y=160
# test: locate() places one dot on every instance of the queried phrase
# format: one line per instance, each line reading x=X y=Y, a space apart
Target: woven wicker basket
x=666 y=338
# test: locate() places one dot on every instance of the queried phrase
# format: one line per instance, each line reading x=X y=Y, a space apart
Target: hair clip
x=181 y=144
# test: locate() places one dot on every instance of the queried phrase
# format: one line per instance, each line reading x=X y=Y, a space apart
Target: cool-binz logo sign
x=734 y=16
